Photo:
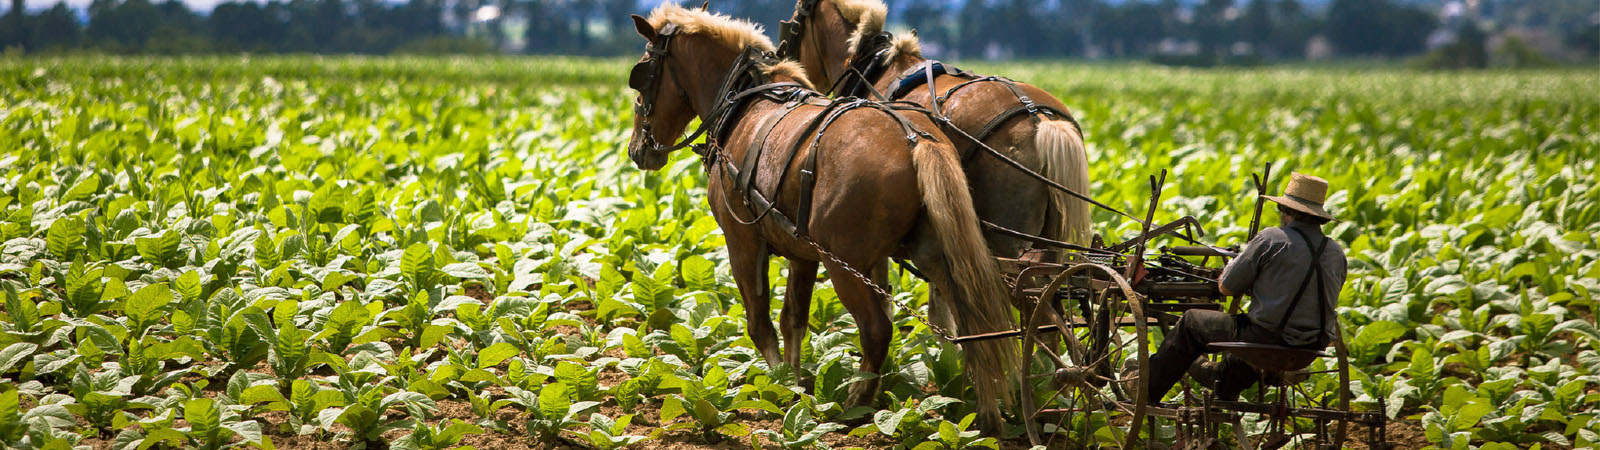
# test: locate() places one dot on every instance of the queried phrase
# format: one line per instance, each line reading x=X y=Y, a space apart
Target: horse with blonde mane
x=844 y=183
x=843 y=47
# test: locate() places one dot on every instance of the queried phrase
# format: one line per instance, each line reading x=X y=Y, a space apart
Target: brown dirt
x=1583 y=312
x=478 y=292
x=1405 y=434
x=842 y=439
x=579 y=305
x=308 y=442
x=611 y=377
x=1461 y=371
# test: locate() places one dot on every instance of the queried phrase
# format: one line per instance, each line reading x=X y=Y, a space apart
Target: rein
x=858 y=77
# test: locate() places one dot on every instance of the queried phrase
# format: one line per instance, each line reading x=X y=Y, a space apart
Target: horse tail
x=1066 y=162
x=980 y=302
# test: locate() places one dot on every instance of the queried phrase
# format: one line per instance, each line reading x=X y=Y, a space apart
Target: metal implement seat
x=1269 y=358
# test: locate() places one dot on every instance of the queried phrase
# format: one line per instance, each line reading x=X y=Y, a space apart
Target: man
x=1293 y=274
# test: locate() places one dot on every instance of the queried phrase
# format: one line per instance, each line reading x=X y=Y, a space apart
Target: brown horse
x=847 y=184
x=843 y=48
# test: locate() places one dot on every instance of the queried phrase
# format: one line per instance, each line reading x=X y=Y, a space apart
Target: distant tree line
x=1274 y=29
x=297 y=26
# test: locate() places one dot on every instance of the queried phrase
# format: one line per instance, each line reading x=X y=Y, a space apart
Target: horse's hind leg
x=872 y=321
x=796 y=316
x=750 y=273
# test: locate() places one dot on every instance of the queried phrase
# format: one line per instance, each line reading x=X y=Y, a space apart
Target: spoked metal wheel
x=1087 y=386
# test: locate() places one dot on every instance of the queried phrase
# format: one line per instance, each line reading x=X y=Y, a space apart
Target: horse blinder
x=645 y=76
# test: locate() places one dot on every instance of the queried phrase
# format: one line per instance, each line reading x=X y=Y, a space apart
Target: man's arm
x=1223 y=288
x=1240 y=274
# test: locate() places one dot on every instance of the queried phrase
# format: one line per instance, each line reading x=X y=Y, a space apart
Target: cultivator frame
x=1088 y=311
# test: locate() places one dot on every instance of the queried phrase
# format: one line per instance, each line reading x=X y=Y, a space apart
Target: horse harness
x=863 y=71
x=858 y=78
x=745 y=83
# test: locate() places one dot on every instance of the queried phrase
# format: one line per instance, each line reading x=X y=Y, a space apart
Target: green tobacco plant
x=227 y=334
x=211 y=427
x=608 y=434
x=711 y=403
x=952 y=436
x=368 y=398
x=430 y=437
x=102 y=399
x=800 y=431
x=550 y=410
x=1456 y=418
x=292 y=350
x=485 y=408
x=908 y=422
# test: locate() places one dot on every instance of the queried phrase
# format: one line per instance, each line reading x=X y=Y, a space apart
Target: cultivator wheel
x=1087 y=356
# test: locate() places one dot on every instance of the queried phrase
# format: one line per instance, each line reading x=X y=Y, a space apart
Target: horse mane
x=869 y=15
x=905 y=45
x=734 y=33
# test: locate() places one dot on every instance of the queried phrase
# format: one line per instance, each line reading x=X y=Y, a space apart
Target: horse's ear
x=644 y=28
x=705 y=5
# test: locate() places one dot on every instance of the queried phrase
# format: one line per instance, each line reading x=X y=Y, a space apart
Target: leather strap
x=728 y=112
x=1314 y=272
x=858 y=77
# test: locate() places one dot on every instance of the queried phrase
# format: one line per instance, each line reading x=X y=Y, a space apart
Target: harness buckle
x=1028 y=103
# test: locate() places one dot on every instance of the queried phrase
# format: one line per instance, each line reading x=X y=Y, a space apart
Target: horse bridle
x=645 y=77
x=791 y=32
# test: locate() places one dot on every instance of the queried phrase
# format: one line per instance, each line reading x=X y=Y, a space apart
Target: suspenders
x=1314 y=272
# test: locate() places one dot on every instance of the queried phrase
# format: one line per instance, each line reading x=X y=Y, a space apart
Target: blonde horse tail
x=1066 y=162
x=980 y=302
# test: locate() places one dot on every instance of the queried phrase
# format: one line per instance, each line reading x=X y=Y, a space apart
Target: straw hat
x=1305 y=194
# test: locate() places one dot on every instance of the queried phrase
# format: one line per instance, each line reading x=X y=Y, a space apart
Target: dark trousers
x=1187 y=342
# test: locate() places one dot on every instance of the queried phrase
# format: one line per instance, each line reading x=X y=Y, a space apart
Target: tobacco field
x=307 y=252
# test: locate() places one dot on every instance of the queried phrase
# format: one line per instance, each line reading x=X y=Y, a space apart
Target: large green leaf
x=146 y=306
x=65 y=238
x=159 y=250
x=416 y=262
x=554 y=401
x=493 y=355
x=205 y=419
x=14 y=354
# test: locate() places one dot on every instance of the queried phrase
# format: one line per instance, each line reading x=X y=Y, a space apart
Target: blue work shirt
x=1271 y=270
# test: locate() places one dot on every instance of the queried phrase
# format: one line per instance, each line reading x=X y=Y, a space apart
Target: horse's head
x=810 y=36
x=663 y=109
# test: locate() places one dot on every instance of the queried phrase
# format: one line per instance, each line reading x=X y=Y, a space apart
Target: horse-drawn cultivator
x=895 y=181
x=1088 y=325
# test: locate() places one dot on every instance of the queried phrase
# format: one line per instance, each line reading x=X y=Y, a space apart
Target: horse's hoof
x=861 y=395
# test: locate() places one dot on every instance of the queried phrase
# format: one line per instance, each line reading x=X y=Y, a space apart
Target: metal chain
x=939 y=331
